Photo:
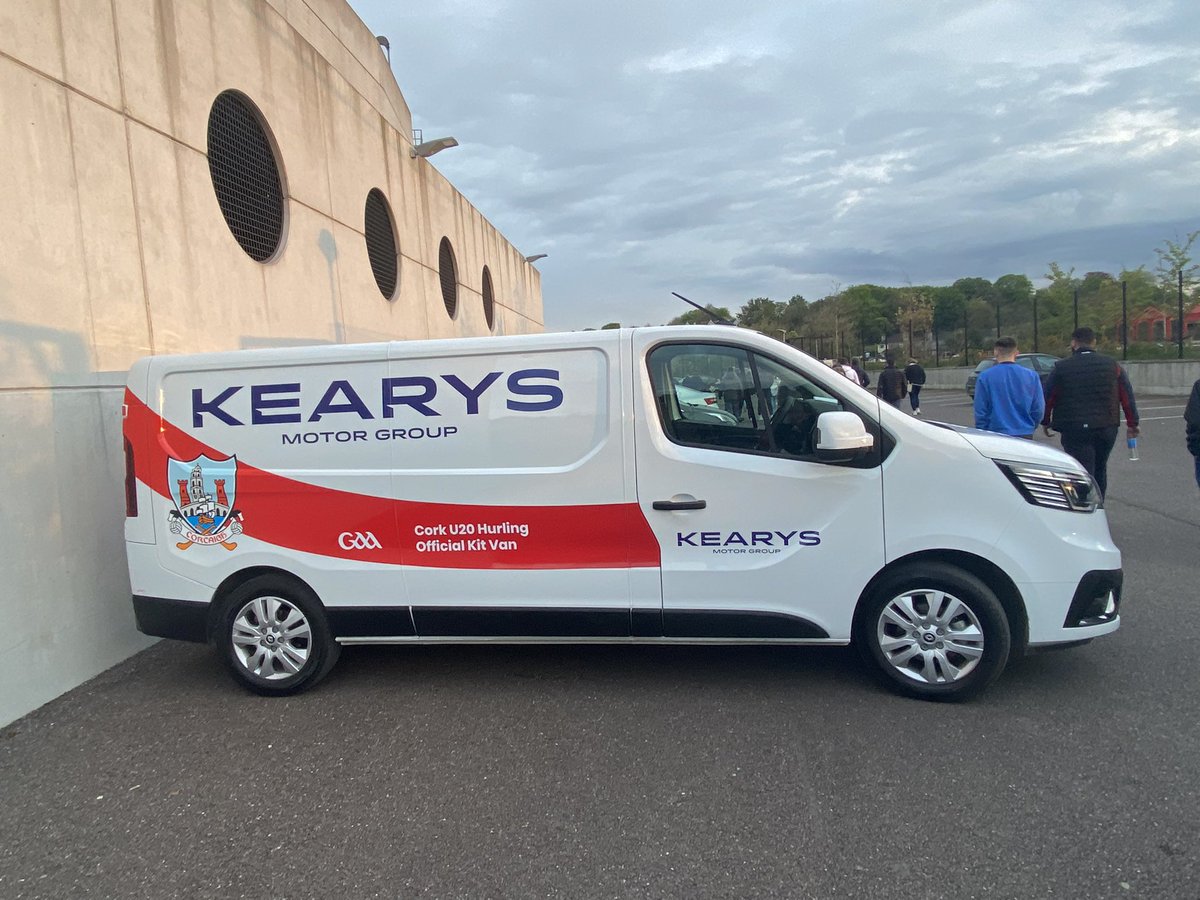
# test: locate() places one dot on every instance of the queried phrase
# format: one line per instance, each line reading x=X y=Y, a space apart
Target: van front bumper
x=1097 y=600
x=1063 y=613
x=180 y=620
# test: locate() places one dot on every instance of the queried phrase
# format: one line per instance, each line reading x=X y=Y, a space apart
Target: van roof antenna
x=720 y=320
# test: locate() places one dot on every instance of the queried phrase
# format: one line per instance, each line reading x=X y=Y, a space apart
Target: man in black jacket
x=1084 y=397
x=1191 y=416
x=890 y=385
x=863 y=378
x=915 y=375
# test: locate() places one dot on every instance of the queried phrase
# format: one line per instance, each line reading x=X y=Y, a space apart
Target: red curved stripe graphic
x=300 y=516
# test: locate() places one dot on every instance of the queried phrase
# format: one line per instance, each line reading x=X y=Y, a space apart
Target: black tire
x=272 y=635
x=918 y=659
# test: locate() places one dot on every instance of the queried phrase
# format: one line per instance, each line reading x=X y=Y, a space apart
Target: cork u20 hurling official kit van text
x=656 y=485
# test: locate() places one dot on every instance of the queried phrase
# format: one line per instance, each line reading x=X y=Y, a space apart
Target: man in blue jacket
x=1008 y=397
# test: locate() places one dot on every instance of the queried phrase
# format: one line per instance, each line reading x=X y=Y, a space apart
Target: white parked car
x=694 y=397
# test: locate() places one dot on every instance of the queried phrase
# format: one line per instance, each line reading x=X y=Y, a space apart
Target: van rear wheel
x=935 y=631
x=273 y=636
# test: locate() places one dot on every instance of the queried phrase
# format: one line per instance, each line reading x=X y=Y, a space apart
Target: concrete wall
x=114 y=247
x=1170 y=378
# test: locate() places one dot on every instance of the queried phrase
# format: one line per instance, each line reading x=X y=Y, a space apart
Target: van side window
x=707 y=396
x=795 y=403
x=726 y=398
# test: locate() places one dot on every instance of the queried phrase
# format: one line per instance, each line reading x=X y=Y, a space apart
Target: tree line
x=956 y=324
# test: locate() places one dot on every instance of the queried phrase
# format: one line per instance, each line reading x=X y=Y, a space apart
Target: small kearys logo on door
x=747 y=541
x=203 y=492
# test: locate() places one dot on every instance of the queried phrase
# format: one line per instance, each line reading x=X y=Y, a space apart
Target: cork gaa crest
x=203 y=491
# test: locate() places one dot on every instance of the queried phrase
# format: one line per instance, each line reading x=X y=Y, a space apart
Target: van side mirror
x=842 y=437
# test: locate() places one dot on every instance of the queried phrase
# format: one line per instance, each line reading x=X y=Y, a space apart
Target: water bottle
x=1132 y=445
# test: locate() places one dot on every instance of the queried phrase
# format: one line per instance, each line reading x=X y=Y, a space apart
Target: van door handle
x=680 y=504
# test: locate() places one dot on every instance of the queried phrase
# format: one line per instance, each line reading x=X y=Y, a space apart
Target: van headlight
x=1053 y=487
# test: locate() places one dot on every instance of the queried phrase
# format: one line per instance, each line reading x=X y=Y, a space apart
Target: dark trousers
x=733 y=402
x=1091 y=446
x=914 y=395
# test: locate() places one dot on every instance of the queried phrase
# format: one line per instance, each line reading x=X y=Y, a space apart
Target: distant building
x=1155 y=325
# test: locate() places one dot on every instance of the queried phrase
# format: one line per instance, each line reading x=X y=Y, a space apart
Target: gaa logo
x=358 y=540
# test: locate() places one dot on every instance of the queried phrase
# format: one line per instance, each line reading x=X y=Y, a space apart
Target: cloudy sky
x=737 y=150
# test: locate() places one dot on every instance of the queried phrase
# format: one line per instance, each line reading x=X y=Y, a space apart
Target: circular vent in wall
x=245 y=175
x=489 y=300
x=380 y=235
x=448 y=273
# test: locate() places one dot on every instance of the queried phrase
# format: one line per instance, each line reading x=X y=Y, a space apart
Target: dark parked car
x=1041 y=363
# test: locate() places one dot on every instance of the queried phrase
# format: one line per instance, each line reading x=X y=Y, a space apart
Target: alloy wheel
x=930 y=636
x=271 y=638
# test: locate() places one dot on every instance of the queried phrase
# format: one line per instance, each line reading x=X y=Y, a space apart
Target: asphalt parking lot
x=643 y=771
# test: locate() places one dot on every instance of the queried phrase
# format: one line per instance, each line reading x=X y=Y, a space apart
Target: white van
x=547 y=488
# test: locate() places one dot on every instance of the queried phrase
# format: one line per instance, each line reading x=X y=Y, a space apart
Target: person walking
x=843 y=366
x=1008 y=397
x=915 y=376
x=730 y=385
x=863 y=378
x=1191 y=416
x=773 y=394
x=890 y=385
x=1085 y=394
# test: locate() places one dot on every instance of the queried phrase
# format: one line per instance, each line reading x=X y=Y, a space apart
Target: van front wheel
x=935 y=632
x=273 y=636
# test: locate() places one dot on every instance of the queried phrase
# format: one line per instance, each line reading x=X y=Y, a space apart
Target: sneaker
x=917 y=413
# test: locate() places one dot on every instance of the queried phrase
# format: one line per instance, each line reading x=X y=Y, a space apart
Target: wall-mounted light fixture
x=428 y=148
x=387 y=48
x=536 y=257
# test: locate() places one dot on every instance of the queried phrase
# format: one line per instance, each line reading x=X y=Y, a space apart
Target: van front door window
x=730 y=399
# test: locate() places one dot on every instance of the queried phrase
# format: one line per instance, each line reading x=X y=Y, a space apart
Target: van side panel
x=533 y=490
x=386 y=475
